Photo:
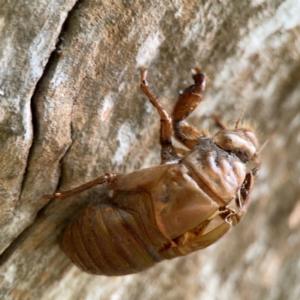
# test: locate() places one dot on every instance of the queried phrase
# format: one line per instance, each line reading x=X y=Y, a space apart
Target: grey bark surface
x=71 y=110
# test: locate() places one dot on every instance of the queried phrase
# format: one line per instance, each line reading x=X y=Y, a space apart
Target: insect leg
x=187 y=102
x=245 y=194
x=218 y=122
x=100 y=180
x=168 y=152
x=204 y=240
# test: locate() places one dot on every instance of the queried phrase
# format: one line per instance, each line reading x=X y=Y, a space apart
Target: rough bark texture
x=71 y=110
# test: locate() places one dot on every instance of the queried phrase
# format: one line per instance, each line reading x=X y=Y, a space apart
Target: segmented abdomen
x=106 y=240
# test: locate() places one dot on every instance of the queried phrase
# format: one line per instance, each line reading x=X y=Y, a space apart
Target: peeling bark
x=71 y=110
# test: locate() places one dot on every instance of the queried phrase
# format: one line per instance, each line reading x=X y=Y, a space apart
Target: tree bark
x=71 y=110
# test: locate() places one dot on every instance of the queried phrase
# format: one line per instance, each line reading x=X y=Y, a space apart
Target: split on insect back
x=186 y=203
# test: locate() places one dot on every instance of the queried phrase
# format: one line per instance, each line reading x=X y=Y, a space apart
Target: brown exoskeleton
x=185 y=204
